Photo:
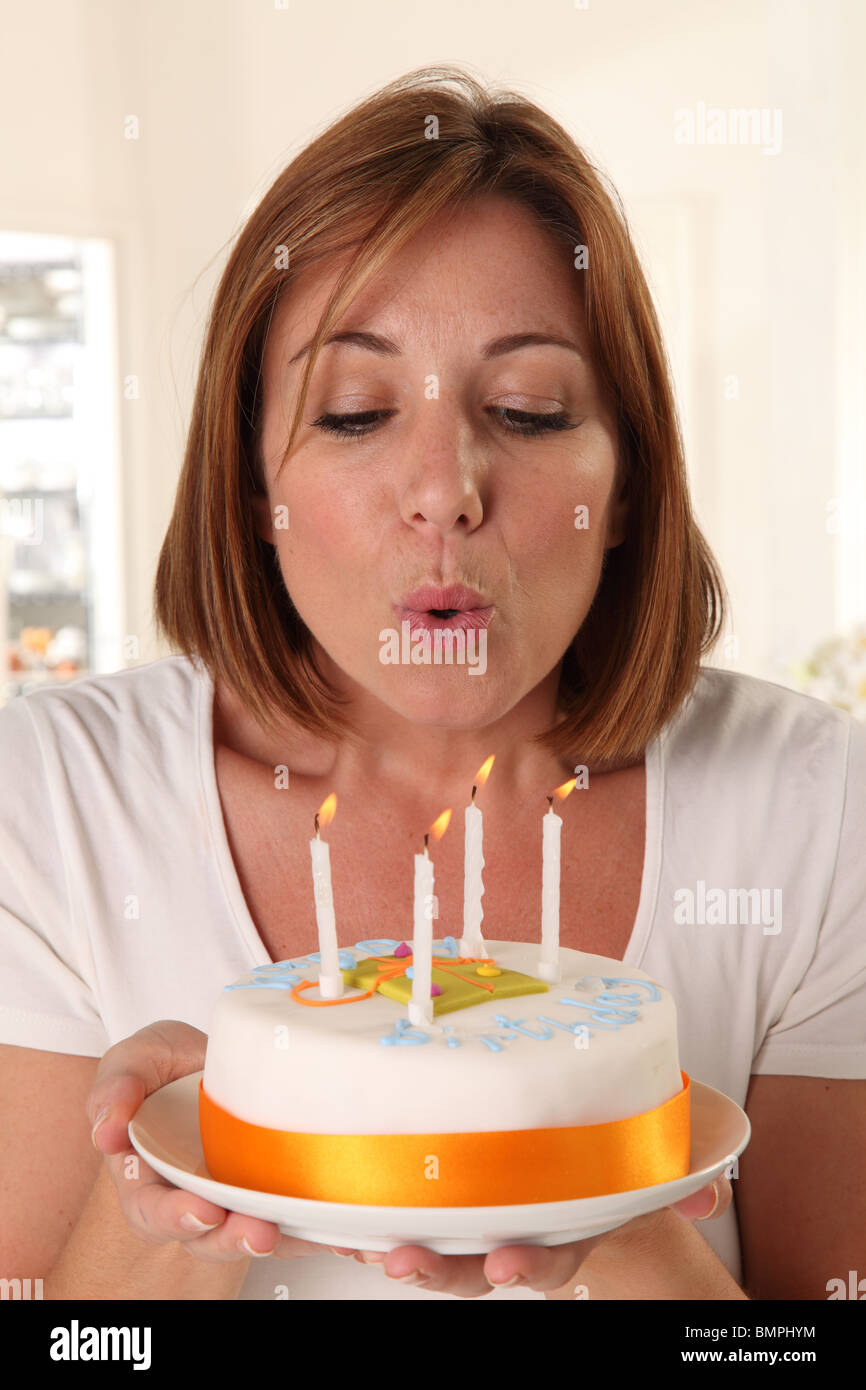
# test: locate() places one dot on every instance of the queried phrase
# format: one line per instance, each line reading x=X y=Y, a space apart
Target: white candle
x=421 y=1006
x=472 y=943
x=330 y=974
x=473 y=884
x=548 y=966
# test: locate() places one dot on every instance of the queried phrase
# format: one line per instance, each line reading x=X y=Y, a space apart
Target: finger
x=708 y=1204
x=133 y=1069
x=155 y=1210
x=159 y=1214
x=462 y=1275
x=538 y=1267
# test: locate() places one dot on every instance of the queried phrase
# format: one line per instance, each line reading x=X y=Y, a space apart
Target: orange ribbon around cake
x=478 y=1169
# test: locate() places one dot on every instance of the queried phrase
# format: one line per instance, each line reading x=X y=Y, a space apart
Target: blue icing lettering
x=280 y=968
x=604 y=1016
x=451 y=1041
x=489 y=1040
x=379 y=946
x=568 y=1027
x=345 y=960
x=283 y=982
x=517 y=1025
x=652 y=996
x=404 y=1035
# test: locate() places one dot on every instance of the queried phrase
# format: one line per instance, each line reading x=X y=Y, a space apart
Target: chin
x=452 y=704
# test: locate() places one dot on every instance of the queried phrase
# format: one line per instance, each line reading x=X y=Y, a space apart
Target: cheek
x=325 y=530
x=557 y=521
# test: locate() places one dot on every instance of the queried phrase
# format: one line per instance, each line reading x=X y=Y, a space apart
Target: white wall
x=757 y=260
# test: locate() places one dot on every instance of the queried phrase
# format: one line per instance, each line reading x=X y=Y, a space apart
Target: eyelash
x=539 y=424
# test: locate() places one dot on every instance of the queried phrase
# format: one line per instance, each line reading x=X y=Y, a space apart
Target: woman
x=432 y=361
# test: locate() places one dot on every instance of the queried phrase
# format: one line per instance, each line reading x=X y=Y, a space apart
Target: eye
x=353 y=426
x=522 y=422
x=526 y=423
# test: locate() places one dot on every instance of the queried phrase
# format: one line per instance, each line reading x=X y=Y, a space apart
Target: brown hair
x=367 y=184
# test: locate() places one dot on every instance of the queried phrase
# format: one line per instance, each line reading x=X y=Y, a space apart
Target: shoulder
x=146 y=704
x=730 y=714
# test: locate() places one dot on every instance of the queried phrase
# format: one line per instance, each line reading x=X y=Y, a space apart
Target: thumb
x=132 y=1070
x=708 y=1203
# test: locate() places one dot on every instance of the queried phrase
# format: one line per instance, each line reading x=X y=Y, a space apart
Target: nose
x=443 y=487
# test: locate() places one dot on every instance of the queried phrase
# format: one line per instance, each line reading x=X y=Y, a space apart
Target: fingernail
x=707 y=1214
x=416 y=1277
x=347 y=1254
x=190 y=1222
x=248 y=1249
x=100 y=1119
x=498 y=1284
x=374 y=1257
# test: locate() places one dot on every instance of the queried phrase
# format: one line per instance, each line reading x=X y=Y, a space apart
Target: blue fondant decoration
x=404 y=1034
x=447 y=947
x=409 y=972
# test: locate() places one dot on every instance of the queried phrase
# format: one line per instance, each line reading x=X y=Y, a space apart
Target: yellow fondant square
x=457 y=982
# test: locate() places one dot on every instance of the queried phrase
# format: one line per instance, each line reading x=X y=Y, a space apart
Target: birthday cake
x=514 y=1090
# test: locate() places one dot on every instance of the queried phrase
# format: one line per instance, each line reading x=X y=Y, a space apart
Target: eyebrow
x=497 y=347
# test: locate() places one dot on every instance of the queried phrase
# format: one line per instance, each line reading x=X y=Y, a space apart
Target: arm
x=801 y=1198
x=46 y=1171
x=103 y=1259
x=60 y=1218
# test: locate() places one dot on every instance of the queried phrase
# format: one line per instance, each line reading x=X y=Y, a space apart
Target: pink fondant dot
x=402 y=950
x=435 y=989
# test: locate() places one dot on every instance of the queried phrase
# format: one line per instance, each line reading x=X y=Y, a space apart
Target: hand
x=156 y=1211
x=535 y=1267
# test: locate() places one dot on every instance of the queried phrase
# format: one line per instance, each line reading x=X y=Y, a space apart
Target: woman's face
x=451 y=484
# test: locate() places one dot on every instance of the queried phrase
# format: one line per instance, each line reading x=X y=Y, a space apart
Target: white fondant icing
x=276 y=1062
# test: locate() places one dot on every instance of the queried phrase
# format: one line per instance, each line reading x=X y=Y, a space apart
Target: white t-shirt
x=120 y=903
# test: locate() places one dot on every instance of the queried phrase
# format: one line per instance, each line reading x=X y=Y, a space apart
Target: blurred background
x=135 y=140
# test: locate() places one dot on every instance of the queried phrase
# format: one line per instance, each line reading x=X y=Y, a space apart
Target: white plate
x=165 y=1132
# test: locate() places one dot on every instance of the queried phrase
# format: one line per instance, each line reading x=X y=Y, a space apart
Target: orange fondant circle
x=499 y=1168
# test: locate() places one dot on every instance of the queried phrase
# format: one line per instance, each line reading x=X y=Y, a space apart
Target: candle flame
x=484 y=771
x=440 y=825
x=326 y=811
x=563 y=791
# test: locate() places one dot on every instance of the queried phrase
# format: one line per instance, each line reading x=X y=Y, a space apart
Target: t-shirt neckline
x=656 y=770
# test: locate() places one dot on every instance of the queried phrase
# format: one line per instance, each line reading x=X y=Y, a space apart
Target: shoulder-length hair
x=431 y=140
